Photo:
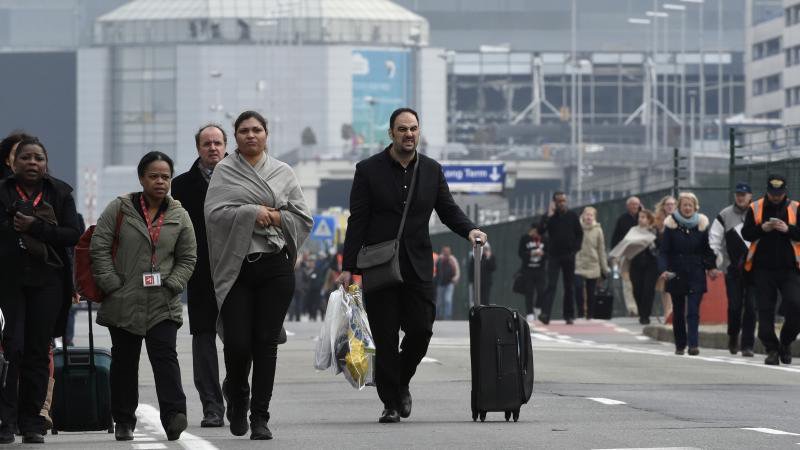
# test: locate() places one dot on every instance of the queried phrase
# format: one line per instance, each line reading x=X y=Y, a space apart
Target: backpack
x=85 y=284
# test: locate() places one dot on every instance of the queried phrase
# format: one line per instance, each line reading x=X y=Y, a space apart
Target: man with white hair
x=625 y=222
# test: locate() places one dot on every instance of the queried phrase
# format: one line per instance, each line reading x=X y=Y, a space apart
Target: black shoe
x=389 y=415
x=644 y=321
x=678 y=351
x=772 y=358
x=544 y=318
x=32 y=437
x=694 y=351
x=570 y=321
x=259 y=431
x=785 y=353
x=748 y=352
x=733 y=345
x=212 y=420
x=236 y=412
x=405 y=403
x=123 y=432
x=6 y=434
x=177 y=424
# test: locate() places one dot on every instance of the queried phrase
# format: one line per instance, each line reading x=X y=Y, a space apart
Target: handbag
x=85 y=284
x=521 y=285
x=380 y=263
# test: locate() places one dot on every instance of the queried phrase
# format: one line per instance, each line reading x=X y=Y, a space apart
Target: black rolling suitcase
x=501 y=355
x=603 y=301
x=82 y=393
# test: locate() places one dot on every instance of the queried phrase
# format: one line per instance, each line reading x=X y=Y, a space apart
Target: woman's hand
x=264 y=217
x=274 y=217
x=714 y=273
x=667 y=275
x=22 y=223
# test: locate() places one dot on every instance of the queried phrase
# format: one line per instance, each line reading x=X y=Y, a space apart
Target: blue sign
x=324 y=228
x=475 y=177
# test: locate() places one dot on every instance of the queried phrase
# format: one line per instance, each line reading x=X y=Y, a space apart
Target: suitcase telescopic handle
x=477 y=254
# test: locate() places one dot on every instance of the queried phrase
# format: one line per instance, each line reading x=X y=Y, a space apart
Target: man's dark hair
x=249 y=115
x=152 y=157
x=557 y=193
x=15 y=137
x=210 y=125
x=399 y=111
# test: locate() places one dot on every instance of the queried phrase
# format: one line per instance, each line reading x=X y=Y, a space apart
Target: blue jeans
x=444 y=301
x=686 y=315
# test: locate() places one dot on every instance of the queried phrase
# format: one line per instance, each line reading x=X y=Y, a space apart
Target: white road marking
x=651 y=448
x=151 y=417
x=428 y=359
x=642 y=338
x=771 y=431
x=289 y=333
x=606 y=401
x=148 y=446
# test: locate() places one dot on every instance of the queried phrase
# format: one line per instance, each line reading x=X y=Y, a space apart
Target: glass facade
x=143 y=103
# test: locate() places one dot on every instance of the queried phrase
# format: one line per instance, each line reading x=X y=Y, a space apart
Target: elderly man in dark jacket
x=190 y=189
x=565 y=235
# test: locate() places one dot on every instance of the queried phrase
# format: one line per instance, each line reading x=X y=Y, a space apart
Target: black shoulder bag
x=380 y=263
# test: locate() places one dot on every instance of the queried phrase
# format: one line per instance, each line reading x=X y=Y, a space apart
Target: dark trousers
x=686 y=319
x=768 y=283
x=587 y=286
x=409 y=307
x=643 y=280
x=536 y=281
x=29 y=323
x=206 y=373
x=252 y=317
x=565 y=265
x=126 y=348
x=741 y=309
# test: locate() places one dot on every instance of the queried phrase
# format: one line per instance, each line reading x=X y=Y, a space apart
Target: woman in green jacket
x=155 y=257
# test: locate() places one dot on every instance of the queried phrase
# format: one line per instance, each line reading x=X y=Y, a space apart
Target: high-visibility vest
x=758 y=214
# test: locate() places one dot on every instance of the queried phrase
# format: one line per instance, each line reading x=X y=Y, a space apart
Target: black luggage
x=603 y=302
x=501 y=355
x=82 y=393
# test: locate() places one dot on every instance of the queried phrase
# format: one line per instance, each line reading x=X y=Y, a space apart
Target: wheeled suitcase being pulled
x=501 y=355
x=82 y=393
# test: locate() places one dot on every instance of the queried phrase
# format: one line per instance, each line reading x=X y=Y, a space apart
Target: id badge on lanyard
x=152 y=278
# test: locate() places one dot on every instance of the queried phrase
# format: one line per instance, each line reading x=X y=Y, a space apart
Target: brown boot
x=48 y=402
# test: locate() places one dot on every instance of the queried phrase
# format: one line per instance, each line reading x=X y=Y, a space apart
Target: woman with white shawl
x=257 y=219
x=638 y=247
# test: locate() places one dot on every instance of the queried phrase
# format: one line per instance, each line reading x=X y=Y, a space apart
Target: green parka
x=128 y=304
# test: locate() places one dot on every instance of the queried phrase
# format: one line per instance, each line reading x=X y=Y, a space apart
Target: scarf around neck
x=689 y=223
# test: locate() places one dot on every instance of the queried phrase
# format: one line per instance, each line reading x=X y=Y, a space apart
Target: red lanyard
x=154 y=231
x=25 y=197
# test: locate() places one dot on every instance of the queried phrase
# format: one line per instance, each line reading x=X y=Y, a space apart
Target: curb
x=708 y=339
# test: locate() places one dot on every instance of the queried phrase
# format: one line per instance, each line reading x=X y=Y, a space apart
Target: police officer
x=730 y=249
x=774 y=258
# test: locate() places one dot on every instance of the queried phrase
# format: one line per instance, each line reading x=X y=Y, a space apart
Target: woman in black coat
x=684 y=259
x=37 y=224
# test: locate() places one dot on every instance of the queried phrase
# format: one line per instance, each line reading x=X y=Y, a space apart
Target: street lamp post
x=692 y=95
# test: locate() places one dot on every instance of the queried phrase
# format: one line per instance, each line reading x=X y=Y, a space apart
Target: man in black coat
x=377 y=198
x=190 y=189
x=565 y=234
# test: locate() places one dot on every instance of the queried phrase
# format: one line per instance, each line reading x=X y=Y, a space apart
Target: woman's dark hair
x=9 y=141
x=249 y=115
x=152 y=157
x=30 y=140
x=399 y=111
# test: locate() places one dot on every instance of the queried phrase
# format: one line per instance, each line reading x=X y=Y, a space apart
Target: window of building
x=793 y=56
x=792 y=15
x=793 y=96
x=767 y=84
x=766 y=48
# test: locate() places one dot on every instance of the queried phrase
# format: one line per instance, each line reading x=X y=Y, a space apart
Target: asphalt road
x=599 y=385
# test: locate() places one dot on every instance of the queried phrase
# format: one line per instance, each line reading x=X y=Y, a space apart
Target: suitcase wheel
x=516 y=416
x=54 y=431
x=474 y=415
x=508 y=415
x=483 y=416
